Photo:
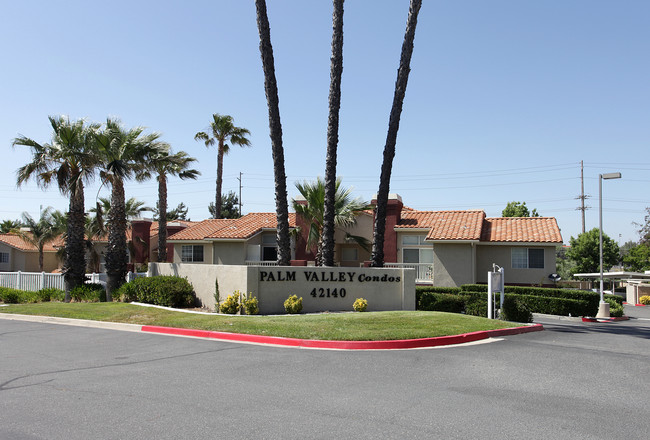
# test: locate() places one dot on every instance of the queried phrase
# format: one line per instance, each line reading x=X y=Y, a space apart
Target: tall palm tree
x=275 y=126
x=336 y=70
x=346 y=210
x=222 y=130
x=122 y=153
x=163 y=163
x=391 y=137
x=70 y=161
x=7 y=226
x=41 y=232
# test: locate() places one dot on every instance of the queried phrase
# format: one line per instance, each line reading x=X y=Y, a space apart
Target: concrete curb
x=346 y=345
x=285 y=342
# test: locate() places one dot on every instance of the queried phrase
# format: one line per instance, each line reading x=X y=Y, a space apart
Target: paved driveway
x=575 y=381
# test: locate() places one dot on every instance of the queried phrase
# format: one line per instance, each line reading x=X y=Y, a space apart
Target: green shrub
x=217 y=297
x=442 y=302
x=618 y=299
x=168 y=291
x=615 y=309
x=474 y=288
x=476 y=307
x=515 y=309
x=645 y=300
x=90 y=292
x=231 y=304
x=293 y=305
x=10 y=296
x=420 y=290
x=51 y=294
x=251 y=305
x=360 y=305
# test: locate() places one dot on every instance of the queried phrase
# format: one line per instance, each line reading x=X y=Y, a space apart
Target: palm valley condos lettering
x=327 y=276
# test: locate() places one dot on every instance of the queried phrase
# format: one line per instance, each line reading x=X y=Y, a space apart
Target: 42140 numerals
x=321 y=292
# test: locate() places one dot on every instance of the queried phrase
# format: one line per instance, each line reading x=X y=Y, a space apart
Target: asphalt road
x=574 y=380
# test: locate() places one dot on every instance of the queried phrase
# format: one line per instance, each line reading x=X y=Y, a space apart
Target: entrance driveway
x=574 y=380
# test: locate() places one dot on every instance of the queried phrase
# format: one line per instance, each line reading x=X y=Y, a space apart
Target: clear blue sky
x=505 y=97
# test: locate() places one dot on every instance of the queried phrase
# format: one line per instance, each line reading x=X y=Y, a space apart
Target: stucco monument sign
x=321 y=288
x=333 y=289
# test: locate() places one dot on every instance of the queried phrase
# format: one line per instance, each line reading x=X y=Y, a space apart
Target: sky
x=504 y=100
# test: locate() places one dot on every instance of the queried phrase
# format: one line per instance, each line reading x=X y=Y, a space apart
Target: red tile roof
x=521 y=229
x=17 y=242
x=231 y=229
x=445 y=225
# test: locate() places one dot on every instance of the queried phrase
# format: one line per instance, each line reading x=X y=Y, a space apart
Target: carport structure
x=638 y=283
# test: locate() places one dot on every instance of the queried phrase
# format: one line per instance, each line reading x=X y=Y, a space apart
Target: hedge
x=169 y=291
x=441 y=302
x=419 y=290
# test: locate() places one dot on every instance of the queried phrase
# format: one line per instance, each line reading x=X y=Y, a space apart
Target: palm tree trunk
x=162 y=218
x=336 y=71
x=217 y=199
x=116 y=254
x=271 y=89
x=40 y=257
x=74 y=266
x=391 y=138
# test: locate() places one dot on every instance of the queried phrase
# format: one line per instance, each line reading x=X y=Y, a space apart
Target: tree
x=70 y=161
x=162 y=163
x=41 y=232
x=222 y=130
x=585 y=252
x=7 y=226
x=391 y=137
x=122 y=154
x=518 y=209
x=178 y=213
x=644 y=229
x=229 y=206
x=336 y=71
x=637 y=259
x=312 y=211
x=133 y=208
x=275 y=126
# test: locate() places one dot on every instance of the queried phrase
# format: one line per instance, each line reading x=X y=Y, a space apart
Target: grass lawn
x=367 y=326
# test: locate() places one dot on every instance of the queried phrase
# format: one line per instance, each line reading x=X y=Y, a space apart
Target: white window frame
x=192 y=258
x=520 y=261
x=413 y=242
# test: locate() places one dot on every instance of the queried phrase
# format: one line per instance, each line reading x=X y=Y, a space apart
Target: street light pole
x=603 y=307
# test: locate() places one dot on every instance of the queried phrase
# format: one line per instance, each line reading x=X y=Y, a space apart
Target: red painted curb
x=345 y=345
x=621 y=318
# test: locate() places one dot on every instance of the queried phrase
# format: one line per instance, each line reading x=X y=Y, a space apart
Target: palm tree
x=346 y=210
x=7 y=226
x=41 y=232
x=222 y=130
x=163 y=164
x=336 y=70
x=70 y=161
x=275 y=126
x=133 y=208
x=122 y=153
x=391 y=137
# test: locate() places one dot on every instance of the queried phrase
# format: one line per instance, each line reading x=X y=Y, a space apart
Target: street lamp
x=603 y=307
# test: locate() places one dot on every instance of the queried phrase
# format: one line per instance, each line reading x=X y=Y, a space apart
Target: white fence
x=34 y=281
x=423 y=271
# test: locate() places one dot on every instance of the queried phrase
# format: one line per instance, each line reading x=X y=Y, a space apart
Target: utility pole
x=239 y=178
x=582 y=196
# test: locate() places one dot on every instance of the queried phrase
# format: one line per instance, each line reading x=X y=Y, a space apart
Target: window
x=269 y=247
x=524 y=258
x=191 y=253
x=4 y=257
x=415 y=250
x=349 y=254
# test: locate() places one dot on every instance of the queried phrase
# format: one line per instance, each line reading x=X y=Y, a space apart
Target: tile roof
x=521 y=229
x=231 y=229
x=445 y=225
x=17 y=242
